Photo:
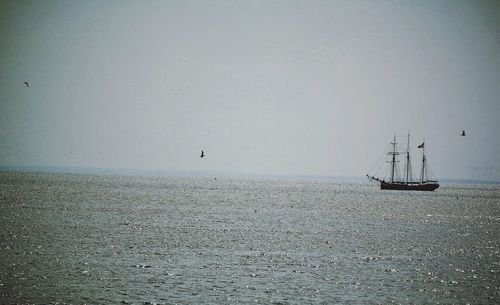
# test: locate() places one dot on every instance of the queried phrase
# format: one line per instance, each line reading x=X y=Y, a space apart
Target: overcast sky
x=268 y=87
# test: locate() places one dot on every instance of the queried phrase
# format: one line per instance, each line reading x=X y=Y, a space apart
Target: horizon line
x=201 y=173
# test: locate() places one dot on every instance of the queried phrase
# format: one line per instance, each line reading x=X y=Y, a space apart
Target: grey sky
x=271 y=87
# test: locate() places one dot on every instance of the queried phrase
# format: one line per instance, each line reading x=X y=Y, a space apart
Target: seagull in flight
x=463 y=133
x=27 y=85
x=202 y=154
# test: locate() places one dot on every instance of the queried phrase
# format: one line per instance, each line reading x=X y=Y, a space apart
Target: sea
x=152 y=239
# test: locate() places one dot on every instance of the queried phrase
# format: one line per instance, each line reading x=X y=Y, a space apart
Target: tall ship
x=391 y=179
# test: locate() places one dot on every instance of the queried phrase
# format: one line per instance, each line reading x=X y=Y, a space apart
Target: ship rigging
x=394 y=181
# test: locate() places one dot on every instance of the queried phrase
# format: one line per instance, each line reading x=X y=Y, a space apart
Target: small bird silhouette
x=27 y=85
x=202 y=154
x=463 y=133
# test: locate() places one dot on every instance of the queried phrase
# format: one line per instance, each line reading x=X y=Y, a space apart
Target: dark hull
x=429 y=186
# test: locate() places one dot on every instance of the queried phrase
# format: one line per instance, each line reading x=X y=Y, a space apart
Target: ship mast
x=393 y=161
x=422 y=171
x=408 y=164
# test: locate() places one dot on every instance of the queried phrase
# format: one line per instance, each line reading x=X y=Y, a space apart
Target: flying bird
x=202 y=154
x=463 y=133
x=27 y=85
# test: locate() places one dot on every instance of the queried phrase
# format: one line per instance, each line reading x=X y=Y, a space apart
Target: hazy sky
x=270 y=87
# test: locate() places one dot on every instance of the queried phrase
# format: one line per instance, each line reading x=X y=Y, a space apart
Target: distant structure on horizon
x=482 y=173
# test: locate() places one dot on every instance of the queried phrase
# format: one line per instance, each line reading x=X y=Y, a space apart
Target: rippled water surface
x=74 y=239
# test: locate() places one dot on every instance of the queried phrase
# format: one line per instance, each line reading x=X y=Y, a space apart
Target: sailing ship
x=392 y=180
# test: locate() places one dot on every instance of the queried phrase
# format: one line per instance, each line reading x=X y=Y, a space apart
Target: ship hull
x=409 y=187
